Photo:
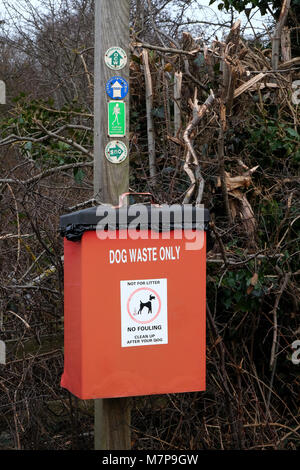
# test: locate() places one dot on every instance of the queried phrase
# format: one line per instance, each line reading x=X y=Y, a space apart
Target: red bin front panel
x=134 y=316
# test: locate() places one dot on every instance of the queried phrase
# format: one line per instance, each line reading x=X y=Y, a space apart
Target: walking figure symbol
x=116 y=112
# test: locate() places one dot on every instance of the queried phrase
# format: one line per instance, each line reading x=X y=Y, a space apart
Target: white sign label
x=144 y=312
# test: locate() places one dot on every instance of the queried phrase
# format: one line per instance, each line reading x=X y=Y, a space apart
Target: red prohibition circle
x=159 y=305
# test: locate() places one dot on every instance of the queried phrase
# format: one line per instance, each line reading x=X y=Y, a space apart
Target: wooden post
x=149 y=110
x=112 y=424
x=177 y=102
x=286 y=53
x=112 y=416
x=277 y=33
x=2 y=93
x=2 y=352
x=111 y=30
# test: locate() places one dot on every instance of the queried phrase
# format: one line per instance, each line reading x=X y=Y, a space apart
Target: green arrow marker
x=116 y=151
x=115 y=58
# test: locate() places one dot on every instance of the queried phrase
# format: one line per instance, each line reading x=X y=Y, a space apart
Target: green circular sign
x=115 y=58
x=116 y=151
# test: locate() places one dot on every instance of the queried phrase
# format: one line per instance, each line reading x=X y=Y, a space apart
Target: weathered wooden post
x=2 y=92
x=111 y=167
x=111 y=34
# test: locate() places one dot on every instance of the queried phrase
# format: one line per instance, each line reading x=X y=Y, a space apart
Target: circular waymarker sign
x=115 y=58
x=117 y=88
x=116 y=151
x=144 y=305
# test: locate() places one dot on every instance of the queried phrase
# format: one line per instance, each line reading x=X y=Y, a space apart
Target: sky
x=213 y=14
x=201 y=10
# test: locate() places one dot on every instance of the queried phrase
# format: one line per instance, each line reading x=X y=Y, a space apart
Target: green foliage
x=33 y=123
x=159 y=112
x=234 y=294
x=271 y=141
x=246 y=6
x=78 y=175
x=243 y=5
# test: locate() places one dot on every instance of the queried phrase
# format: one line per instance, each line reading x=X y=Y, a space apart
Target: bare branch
x=191 y=157
x=46 y=173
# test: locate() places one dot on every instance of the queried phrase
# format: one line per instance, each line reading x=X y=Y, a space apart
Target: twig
x=87 y=73
x=166 y=49
x=292 y=431
x=191 y=157
x=213 y=227
x=221 y=158
x=64 y=139
x=11 y=235
x=32 y=266
x=245 y=86
x=46 y=173
x=20 y=318
x=194 y=79
x=19 y=231
x=82 y=204
x=150 y=126
x=275 y=343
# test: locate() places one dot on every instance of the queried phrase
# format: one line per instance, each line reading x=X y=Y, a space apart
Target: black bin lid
x=158 y=218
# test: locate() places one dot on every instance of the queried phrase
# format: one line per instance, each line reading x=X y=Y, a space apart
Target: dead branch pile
x=215 y=124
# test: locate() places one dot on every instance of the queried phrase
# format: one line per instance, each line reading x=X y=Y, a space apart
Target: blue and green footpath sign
x=116 y=119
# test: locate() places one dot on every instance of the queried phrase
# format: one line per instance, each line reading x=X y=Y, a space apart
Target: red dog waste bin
x=135 y=300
